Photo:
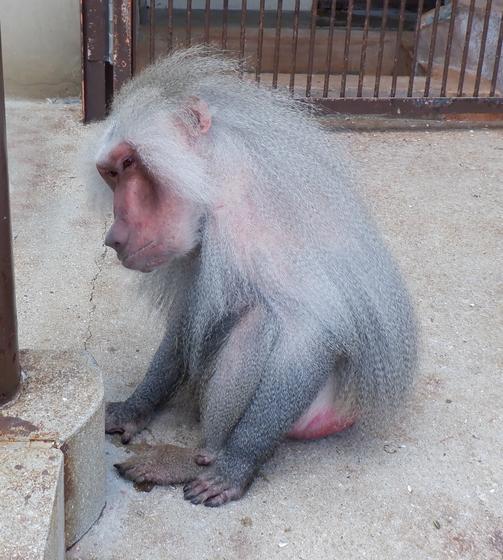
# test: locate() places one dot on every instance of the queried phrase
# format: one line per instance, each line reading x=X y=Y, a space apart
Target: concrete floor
x=430 y=486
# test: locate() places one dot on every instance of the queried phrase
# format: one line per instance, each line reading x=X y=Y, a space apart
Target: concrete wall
x=41 y=47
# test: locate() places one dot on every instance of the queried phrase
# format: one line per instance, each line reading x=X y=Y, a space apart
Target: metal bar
x=431 y=54
x=330 y=48
x=460 y=108
x=397 y=48
x=381 y=47
x=188 y=24
x=277 y=41
x=207 y=8
x=363 y=55
x=134 y=38
x=346 y=48
x=122 y=48
x=10 y=371
x=151 y=30
x=465 y=48
x=417 y=33
x=483 y=41
x=448 y=48
x=260 y=41
x=94 y=41
x=295 y=41
x=225 y=17
x=170 y=24
x=497 y=58
x=312 y=36
x=242 y=34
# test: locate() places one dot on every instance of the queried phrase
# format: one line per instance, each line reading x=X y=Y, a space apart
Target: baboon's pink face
x=152 y=224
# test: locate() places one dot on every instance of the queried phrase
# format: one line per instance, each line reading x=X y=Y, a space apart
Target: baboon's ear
x=197 y=115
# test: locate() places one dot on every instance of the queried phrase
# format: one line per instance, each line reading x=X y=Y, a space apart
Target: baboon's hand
x=226 y=479
x=123 y=418
x=212 y=489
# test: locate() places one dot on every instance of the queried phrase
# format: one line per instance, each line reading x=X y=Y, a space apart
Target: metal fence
x=407 y=57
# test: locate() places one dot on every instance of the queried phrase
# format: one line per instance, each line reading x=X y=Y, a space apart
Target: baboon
x=282 y=305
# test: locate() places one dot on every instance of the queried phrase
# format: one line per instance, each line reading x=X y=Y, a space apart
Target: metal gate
x=421 y=58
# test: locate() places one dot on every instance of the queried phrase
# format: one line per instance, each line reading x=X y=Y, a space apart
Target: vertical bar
x=465 y=48
x=225 y=17
x=260 y=41
x=94 y=36
x=483 y=41
x=151 y=30
x=417 y=34
x=135 y=13
x=497 y=58
x=312 y=33
x=10 y=372
x=397 y=48
x=170 y=24
x=123 y=40
x=277 y=42
x=431 y=54
x=295 y=41
x=188 y=24
x=381 y=47
x=242 y=35
x=363 y=55
x=330 y=47
x=448 y=48
x=207 y=8
x=346 y=48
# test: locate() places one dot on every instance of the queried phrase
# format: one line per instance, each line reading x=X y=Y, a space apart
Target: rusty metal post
x=96 y=83
x=123 y=48
x=10 y=373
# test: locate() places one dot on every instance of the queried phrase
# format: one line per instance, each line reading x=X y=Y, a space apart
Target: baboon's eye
x=127 y=163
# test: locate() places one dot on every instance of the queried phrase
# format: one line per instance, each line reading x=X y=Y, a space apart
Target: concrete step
x=32 y=502
x=61 y=405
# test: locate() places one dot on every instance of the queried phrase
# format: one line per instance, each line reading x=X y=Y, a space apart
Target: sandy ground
x=428 y=487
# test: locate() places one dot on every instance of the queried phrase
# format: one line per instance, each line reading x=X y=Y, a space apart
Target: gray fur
x=296 y=262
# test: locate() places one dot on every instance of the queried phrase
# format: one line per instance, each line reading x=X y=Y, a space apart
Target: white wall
x=41 y=47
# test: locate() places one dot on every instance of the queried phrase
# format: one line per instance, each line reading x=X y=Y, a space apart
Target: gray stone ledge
x=31 y=500
x=61 y=403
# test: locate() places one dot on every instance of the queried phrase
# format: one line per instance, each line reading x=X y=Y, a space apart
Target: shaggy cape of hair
x=292 y=236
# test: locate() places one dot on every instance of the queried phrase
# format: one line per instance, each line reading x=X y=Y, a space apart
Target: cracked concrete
x=430 y=486
x=100 y=261
x=57 y=237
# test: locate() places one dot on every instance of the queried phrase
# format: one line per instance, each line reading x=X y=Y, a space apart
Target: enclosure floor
x=429 y=486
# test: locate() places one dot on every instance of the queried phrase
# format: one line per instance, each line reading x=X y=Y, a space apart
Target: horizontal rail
x=465 y=108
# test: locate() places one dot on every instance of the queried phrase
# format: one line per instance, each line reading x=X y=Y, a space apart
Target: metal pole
x=96 y=85
x=123 y=48
x=10 y=372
